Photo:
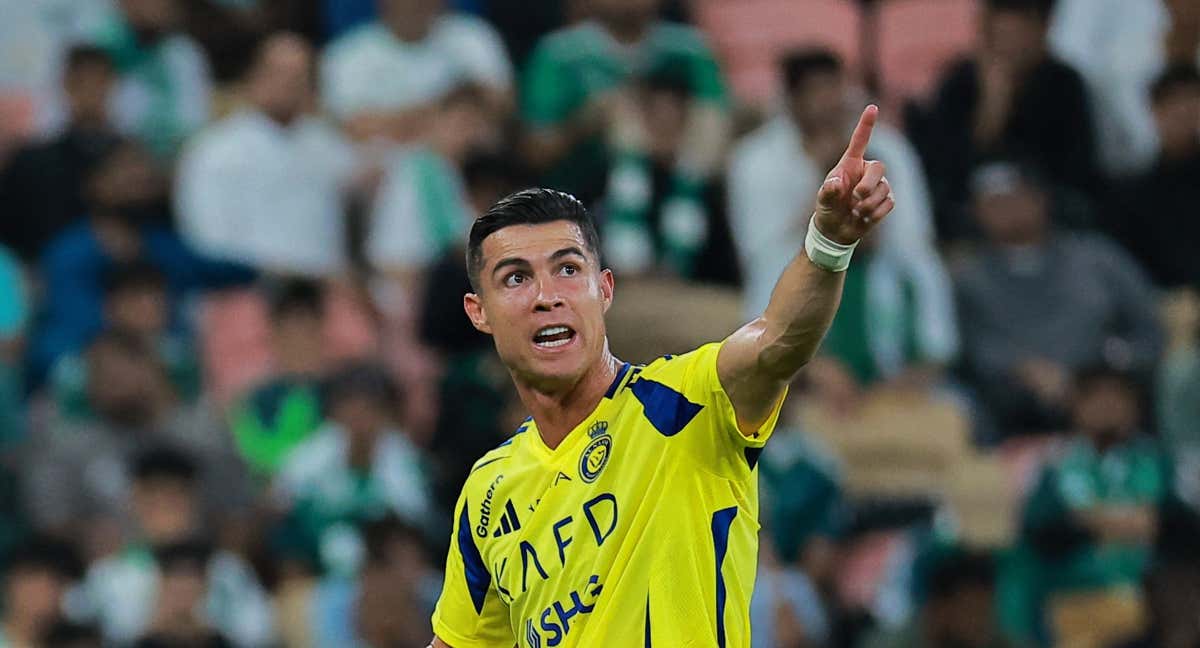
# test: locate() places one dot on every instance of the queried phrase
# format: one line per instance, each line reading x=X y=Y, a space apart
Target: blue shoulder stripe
x=666 y=409
x=474 y=569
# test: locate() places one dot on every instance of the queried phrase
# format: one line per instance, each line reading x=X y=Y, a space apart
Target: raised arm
x=758 y=361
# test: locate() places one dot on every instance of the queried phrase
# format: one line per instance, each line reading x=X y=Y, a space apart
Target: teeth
x=556 y=343
x=553 y=330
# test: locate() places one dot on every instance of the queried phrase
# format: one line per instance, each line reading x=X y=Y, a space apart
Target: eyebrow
x=522 y=263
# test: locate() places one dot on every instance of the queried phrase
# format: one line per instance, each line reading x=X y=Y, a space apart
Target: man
x=577 y=94
x=1036 y=304
x=1168 y=250
x=423 y=51
x=165 y=87
x=623 y=512
x=897 y=309
x=42 y=191
x=37 y=576
x=1011 y=98
x=1095 y=515
x=267 y=170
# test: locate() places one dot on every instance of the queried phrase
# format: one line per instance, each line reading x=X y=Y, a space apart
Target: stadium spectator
x=357 y=467
x=805 y=514
x=14 y=314
x=75 y=474
x=1037 y=304
x=648 y=224
x=571 y=104
x=1011 y=98
x=897 y=309
x=124 y=192
x=36 y=578
x=1178 y=403
x=122 y=588
x=41 y=191
x=1167 y=248
x=164 y=90
x=389 y=604
x=179 y=618
x=136 y=301
x=958 y=608
x=285 y=409
x=422 y=208
x=423 y=51
x=267 y=185
x=1121 y=47
x=1094 y=515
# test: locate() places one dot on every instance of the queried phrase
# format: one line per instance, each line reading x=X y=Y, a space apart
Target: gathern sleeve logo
x=595 y=455
x=485 y=509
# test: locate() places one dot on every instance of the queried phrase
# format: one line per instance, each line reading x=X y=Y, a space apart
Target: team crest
x=595 y=455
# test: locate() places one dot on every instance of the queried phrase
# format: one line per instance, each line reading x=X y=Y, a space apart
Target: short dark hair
x=528 y=207
x=45 y=554
x=164 y=463
x=1043 y=7
x=85 y=55
x=1176 y=77
x=132 y=276
x=296 y=297
x=798 y=66
x=363 y=379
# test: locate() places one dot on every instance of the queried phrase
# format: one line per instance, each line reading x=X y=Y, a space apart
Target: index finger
x=862 y=133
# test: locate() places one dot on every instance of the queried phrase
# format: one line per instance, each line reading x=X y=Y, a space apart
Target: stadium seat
x=984 y=504
x=918 y=39
x=751 y=35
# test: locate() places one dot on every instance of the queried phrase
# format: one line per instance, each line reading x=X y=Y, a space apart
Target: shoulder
x=680 y=38
x=569 y=43
x=491 y=466
x=353 y=43
x=459 y=26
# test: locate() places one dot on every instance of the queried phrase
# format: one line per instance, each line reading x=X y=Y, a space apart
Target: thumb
x=830 y=191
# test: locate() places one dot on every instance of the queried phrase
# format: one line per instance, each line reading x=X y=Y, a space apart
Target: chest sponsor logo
x=595 y=456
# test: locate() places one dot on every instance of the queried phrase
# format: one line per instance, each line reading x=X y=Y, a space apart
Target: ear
x=606 y=287
x=473 y=305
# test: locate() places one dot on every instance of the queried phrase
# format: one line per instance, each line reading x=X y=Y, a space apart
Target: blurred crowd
x=238 y=395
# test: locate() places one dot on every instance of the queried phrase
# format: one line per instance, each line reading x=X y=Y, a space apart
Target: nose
x=547 y=297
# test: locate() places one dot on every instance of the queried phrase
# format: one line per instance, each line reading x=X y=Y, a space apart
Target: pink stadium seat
x=918 y=39
x=750 y=36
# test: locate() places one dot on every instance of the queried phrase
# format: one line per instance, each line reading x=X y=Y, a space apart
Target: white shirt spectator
x=772 y=181
x=252 y=190
x=371 y=69
x=1118 y=47
x=420 y=212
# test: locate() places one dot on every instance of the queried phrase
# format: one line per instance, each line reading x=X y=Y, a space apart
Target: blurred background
x=238 y=395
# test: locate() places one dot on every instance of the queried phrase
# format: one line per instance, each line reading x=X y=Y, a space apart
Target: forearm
x=796 y=319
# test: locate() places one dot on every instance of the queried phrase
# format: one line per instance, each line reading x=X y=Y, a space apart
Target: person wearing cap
x=1036 y=304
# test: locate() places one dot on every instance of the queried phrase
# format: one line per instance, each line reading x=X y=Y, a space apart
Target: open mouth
x=551 y=337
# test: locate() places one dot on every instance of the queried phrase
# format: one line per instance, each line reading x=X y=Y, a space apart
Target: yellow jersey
x=640 y=529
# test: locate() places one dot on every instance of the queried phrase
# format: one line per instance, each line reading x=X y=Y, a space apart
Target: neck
x=558 y=411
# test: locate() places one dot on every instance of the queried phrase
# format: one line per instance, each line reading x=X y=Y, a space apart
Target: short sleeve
x=685 y=393
x=469 y=613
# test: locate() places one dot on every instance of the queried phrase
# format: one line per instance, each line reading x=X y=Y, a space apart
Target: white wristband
x=826 y=253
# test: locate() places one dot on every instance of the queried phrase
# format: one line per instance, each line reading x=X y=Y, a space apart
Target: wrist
x=826 y=253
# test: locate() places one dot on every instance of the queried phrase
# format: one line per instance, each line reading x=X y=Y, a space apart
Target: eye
x=569 y=270
x=514 y=279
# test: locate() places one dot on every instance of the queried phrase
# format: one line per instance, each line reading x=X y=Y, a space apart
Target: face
x=181 y=590
x=33 y=594
x=462 y=126
x=1107 y=411
x=151 y=15
x=410 y=19
x=819 y=102
x=294 y=336
x=282 y=81
x=165 y=508
x=142 y=310
x=665 y=114
x=362 y=416
x=542 y=297
x=129 y=182
x=1178 y=118
x=88 y=86
x=1014 y=36
x=121 y=386
x=625 y=12
x=1012 y=217
x=967 y=619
